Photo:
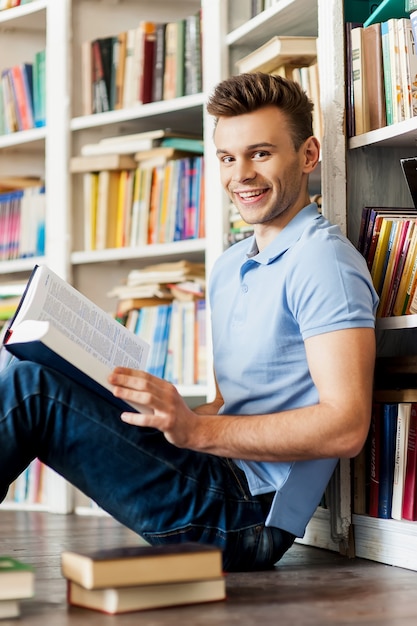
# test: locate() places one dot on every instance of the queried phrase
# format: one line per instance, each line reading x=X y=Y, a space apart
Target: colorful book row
x=177 y=335
x=22 y=96
x=29 y=487
x=382 y=74
x=385 y=472
x=148 y=63
x=388 y=241
x=155 y=203
x=22 y=223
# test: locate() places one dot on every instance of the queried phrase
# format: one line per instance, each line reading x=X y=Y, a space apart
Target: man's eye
x=260 y=154
x=227 y=159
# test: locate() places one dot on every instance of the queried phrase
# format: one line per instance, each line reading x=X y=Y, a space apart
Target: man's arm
x=341 y=365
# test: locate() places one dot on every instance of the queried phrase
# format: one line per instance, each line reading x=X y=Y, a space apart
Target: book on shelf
x=403 y=425
x=374 y=464
x=408 y=67
x=106 y=209
x=101 y=102
x=279 y=51
x=192 y=55
x=174 y=59
x=13 y=183
x=374 y=77
x=129 y=144
x=96 y=162
x=360 y=100
x=57 y=326
x=168 y=272
x=387 y=458
x=144 y=57
x=142 y=565
x=39 y=88
x=17 y=579
x=114 y=601
x=387 y=64
x=22 y=82
x=159 y=67
x=118 y=69
x=409 y=503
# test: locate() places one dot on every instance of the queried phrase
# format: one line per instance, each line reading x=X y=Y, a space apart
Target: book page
x=49 y=298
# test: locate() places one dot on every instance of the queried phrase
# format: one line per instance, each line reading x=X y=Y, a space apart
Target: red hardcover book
x=409 y=511
x=148 y=62
x=22 y=86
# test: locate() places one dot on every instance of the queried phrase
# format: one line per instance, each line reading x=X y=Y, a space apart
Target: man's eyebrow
x=254 y=146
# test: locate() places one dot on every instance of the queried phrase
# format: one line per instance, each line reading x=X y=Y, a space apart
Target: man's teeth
x=249 y=194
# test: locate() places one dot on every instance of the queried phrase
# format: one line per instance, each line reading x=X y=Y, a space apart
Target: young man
x=293 y=336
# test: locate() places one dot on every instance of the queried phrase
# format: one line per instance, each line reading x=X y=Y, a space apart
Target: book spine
x=387 y=459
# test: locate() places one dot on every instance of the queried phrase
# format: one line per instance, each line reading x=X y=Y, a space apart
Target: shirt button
x=244 y=288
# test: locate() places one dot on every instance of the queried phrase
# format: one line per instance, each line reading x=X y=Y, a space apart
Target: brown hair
x=246 y=93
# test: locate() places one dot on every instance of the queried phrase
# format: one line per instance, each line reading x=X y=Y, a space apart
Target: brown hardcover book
x=96 y=163
x=127 y=599
x=142 y=565
x=280 y=50
x=374 y=76
x=120 y=70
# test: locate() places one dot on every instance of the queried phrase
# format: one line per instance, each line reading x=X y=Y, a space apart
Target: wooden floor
x=309 y=586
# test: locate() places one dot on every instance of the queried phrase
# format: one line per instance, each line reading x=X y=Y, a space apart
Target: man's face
x=259 y=167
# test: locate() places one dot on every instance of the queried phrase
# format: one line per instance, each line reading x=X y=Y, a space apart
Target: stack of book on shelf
x=151 y=62
x=142 y=189
x=16 y=583
x=293 y=57
x=137 y=578
x=382 y=72
x=165 y=305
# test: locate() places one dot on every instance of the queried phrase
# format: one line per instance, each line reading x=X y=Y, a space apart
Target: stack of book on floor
x=121 y=580
x=16 y=583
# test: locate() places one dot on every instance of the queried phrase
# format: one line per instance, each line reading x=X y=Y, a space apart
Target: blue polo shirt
x=309 y=280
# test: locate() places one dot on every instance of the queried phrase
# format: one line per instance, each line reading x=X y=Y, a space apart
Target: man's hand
x=167 y=410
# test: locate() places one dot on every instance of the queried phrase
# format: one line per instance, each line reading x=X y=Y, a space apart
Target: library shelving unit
x=228 y=32
x=363 y=170
x=374 y=178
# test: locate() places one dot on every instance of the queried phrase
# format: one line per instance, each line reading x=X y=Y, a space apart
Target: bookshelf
x=229 y=33
x=374 y=178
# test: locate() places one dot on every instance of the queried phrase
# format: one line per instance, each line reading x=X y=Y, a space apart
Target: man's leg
x=164 y=493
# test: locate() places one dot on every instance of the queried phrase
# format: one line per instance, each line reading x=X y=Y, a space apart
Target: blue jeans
x=165 y=494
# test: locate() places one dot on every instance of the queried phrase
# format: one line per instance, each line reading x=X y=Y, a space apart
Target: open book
x=56 y=326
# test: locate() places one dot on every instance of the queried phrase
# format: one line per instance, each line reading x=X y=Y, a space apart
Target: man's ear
x=311 y=152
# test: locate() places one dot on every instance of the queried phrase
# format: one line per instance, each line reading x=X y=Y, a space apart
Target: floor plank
x=309 y=586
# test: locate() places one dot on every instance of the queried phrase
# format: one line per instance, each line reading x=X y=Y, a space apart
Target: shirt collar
x=286 y=238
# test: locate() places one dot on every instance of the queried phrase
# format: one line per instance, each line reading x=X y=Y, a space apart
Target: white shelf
x=24 y=137
x=154 y=251
x=283 y=18
x=403 y=134
x=192 y=104
x=20 y=265
x=25 y=17
x=396 y=322
x=388 y=541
